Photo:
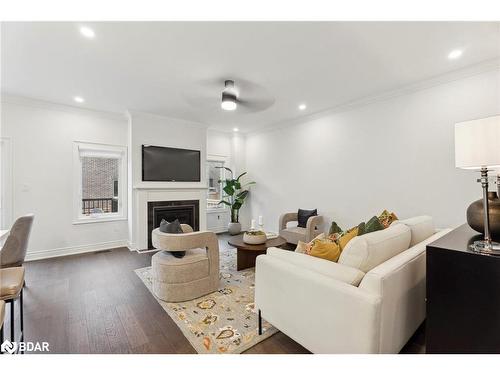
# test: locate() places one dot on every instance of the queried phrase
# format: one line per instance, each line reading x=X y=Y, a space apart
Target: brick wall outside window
x=98 y=176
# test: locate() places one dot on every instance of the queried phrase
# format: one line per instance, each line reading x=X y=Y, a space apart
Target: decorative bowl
x=255 y=237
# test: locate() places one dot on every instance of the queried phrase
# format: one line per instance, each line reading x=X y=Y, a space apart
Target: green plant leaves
x=234 y=193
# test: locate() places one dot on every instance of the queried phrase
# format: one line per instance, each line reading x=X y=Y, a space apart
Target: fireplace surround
x=186 y=211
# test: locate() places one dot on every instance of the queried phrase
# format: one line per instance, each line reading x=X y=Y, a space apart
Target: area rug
x=221 y=322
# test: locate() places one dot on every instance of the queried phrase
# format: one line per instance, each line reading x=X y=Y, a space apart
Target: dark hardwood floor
x=94 y=303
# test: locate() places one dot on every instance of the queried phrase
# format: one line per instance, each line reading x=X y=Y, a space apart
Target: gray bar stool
x=11 y=289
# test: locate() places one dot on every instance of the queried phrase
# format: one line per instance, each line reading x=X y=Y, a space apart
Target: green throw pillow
x=373 y=225
x=334 y=228
x=361 y=228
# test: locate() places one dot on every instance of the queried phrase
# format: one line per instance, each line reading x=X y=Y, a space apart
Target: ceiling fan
x=239 y=94
x=229 y=97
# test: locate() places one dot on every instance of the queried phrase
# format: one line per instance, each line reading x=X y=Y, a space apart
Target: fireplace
x=187 y=212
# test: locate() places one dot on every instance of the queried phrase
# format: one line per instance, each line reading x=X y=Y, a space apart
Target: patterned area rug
x=221 y=322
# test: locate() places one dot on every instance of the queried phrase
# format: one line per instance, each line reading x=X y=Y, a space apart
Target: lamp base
x=486 y=247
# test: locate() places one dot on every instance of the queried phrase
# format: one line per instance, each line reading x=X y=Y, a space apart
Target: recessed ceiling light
x=87 y=32
x=455 y=54
x=302 y=107
x=78 y=99
x=236 y=130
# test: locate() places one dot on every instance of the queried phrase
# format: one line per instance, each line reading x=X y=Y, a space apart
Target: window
x=215 y=173
x=100 y=182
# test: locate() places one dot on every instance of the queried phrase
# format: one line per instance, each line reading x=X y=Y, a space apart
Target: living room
x=262 y=187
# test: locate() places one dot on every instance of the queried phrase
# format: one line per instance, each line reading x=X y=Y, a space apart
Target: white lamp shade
x=477 y=143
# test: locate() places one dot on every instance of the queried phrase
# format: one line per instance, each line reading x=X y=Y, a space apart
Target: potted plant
x=234 y=197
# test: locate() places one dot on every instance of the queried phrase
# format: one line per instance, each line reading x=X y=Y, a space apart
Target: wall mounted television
x=170 y=164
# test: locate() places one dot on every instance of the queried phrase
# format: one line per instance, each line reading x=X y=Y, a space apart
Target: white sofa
x=371 y=301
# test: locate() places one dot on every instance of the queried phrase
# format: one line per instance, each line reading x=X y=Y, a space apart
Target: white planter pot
x=234 y=228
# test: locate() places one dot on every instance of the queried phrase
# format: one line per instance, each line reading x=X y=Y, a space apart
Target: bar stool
x=2 y=317
x=11 y=289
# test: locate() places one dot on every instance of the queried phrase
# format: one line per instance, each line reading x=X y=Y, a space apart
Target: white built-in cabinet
x=217 y=220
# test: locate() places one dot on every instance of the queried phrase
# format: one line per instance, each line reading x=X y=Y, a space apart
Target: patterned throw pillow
x=386 y=218
x=304 y=247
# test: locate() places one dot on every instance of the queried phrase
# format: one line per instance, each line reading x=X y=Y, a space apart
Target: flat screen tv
x=170 y=164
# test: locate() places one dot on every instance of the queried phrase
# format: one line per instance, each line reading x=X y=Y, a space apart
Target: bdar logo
x=9 y=347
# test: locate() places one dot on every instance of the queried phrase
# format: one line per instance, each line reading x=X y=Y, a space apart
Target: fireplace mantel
x=170 y=186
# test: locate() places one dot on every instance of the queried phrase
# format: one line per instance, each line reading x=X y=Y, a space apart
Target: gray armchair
x=14 y=250
x=294 y=234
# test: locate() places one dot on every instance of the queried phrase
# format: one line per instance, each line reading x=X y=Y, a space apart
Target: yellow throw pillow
x=347 y=237
x=325 y=249
x=304 y=247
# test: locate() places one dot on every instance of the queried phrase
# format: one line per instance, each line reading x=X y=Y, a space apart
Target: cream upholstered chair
x=14 y=250
x=2 y=317
x=192 y=276
x=11 y=289
x=296 y=234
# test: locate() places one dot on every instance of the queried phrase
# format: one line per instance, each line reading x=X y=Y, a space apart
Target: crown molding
x=446 y=78
x=39 y=103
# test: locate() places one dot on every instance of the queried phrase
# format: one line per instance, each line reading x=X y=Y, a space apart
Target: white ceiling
x=177 y=69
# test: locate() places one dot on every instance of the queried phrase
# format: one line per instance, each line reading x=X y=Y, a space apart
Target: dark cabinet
x=463 y=296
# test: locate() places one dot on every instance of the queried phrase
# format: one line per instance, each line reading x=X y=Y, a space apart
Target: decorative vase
x=234 y=228
x=254 y=238
x=475 y=214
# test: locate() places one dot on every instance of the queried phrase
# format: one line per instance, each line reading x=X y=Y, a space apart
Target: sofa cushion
x=336 y=271
x=421 y=227
x=369 y=250
x=294 y=234
x=304 y=215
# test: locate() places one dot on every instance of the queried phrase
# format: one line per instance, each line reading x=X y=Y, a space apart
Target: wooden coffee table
x=246 y=253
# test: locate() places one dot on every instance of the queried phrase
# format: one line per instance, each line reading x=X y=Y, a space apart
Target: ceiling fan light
x=228 y=101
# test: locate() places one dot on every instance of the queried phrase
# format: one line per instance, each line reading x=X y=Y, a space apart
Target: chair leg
x=260 y=323
x=1 y=333
x=12 y=318
x=21 y=316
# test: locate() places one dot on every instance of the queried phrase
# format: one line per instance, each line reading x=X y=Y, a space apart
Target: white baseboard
x=64 y=251
x=132 y=246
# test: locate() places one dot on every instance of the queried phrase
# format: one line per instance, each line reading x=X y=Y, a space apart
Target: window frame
x=98 y=148
x=216 y=159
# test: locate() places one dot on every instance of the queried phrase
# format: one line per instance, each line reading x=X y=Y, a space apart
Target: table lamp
x=477 y=147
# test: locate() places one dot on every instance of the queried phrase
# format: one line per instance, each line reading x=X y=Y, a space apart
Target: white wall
x=42 y=137
x=396 y=154
x=168 y=132
x=147 y=129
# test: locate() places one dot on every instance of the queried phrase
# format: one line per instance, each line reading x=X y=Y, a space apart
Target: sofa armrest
x=336 y=271
x=286 y=218
x=312 y=223
x=322 y=314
